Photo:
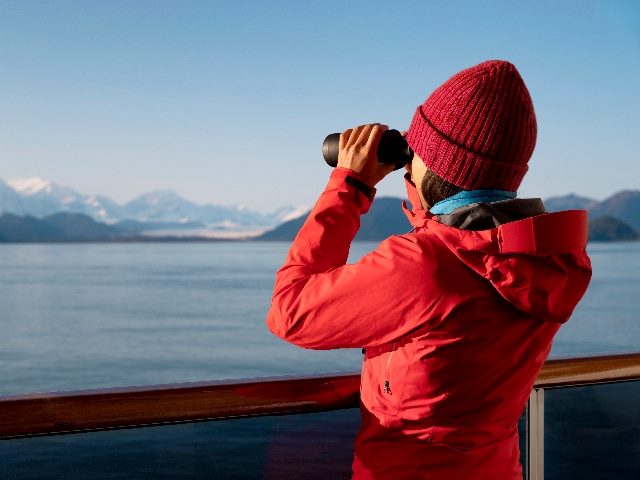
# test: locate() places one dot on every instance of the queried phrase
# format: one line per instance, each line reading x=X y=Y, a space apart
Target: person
x=457 y=316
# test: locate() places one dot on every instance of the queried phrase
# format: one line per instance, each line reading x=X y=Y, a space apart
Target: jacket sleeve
x=321 y=302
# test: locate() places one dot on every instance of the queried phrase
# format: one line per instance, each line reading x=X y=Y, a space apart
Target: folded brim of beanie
x=457 y=164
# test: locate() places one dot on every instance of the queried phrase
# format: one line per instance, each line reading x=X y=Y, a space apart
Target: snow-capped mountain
x=288 y=213
x=39 y=197
x=168 y=206
x=161 y=205
x=10 y=200
x=31 y=186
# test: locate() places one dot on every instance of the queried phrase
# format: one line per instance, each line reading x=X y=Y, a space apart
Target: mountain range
x=384 y=218
x=39 y=198
x=615 y=218
x=624 y=206
x=36 y=210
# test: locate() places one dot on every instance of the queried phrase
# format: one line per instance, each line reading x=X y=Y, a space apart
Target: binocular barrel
x=393 y=148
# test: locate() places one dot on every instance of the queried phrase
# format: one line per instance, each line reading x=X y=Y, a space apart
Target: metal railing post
x=535 y=435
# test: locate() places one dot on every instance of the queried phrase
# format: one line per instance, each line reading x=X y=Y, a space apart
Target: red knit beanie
x=478 y=129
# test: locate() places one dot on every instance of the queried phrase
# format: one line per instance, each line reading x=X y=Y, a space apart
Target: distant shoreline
x=615 y=220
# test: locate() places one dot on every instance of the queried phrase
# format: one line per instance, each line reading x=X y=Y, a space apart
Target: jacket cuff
x=345 y=179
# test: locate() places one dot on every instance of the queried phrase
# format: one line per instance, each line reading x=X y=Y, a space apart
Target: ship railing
x=45 y=414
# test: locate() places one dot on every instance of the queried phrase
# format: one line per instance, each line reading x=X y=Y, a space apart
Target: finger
x=344 y=137
x=374 y=139
x=355 y=135
x=377 y=129
x=363 y=135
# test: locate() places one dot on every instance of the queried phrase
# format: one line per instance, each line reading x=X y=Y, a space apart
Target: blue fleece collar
x=467 y=197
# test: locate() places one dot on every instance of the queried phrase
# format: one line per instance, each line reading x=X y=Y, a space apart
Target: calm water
x=96 y=315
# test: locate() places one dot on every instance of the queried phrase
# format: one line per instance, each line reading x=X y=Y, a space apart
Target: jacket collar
x=417 y=216
x=469 y=197
x=471 y=217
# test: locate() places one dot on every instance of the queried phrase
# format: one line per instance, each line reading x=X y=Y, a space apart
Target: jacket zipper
x=386 y=388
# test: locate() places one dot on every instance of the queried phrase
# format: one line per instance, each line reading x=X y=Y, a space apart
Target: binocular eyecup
x=393 y=148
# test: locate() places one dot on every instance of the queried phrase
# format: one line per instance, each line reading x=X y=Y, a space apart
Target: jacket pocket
x=384 y=377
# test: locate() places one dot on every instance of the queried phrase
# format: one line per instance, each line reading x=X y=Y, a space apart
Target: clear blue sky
x=228 y=102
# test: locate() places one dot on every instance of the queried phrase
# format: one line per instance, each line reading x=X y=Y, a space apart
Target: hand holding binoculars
x=393 y=148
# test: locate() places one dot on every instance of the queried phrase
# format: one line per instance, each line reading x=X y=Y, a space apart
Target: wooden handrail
x=90 y=410
x=575 y=372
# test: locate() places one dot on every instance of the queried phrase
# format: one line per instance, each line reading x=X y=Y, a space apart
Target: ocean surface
x=76 y=316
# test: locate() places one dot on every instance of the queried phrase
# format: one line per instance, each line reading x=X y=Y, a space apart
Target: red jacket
x=456 y=324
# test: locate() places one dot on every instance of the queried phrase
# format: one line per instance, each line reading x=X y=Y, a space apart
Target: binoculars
x=393 y=148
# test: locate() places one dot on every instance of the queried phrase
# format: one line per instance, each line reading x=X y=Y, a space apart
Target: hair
x=435 y=189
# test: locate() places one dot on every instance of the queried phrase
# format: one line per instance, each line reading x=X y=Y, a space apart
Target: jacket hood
x=537 y=263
